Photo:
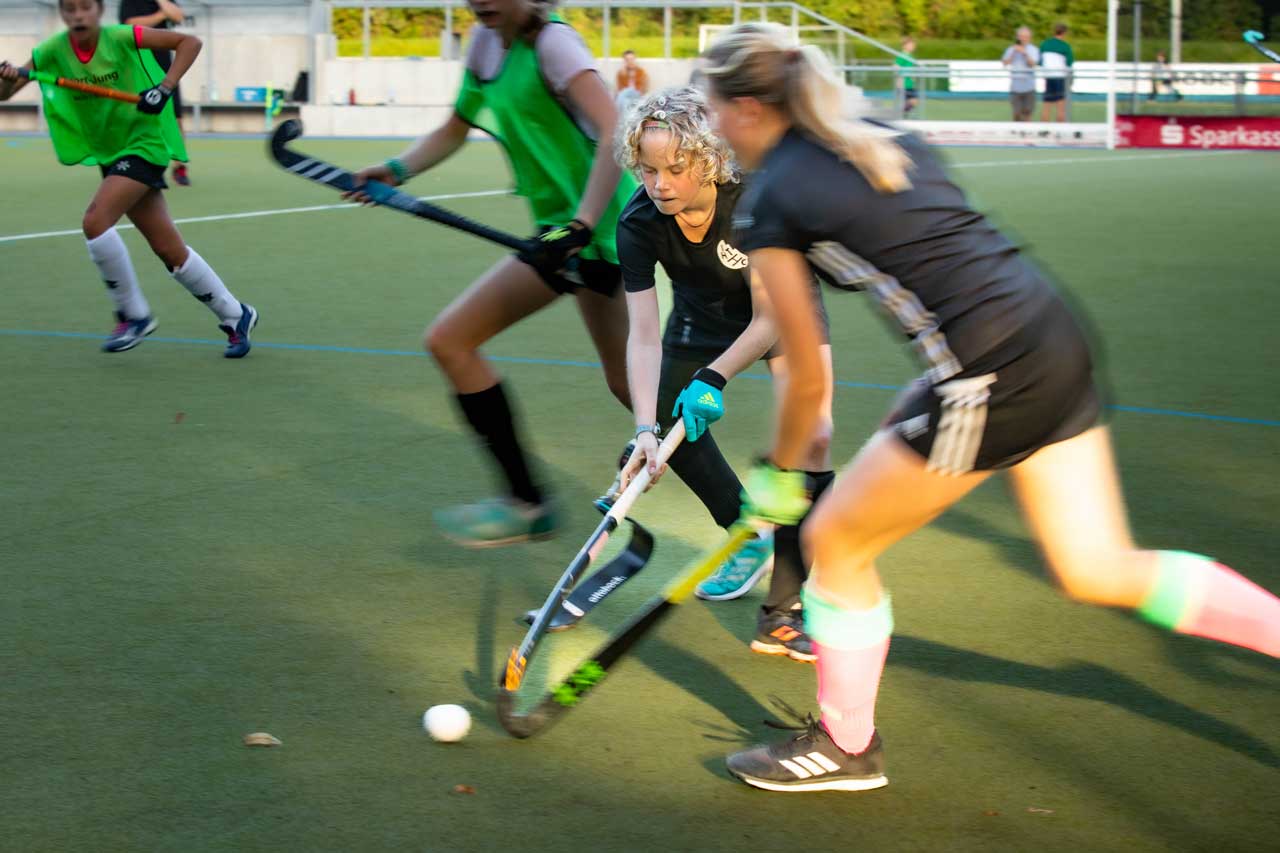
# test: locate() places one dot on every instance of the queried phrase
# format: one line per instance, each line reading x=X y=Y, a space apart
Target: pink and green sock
x=1194 y=595
x=851 y=646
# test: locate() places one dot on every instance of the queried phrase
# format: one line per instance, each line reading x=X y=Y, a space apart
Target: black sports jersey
x=711 y=302
x=140 y=9
x=948 y=279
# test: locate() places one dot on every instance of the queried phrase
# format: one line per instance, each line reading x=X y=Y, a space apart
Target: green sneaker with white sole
x=740 y=572
x=499 y=521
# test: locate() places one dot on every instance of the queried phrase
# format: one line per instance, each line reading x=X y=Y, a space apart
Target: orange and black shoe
x=781 y=632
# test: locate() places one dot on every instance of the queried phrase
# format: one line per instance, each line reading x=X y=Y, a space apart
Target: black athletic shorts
x=135 y=168
x=593 y=274
x=1055 y=89
x=989 y=418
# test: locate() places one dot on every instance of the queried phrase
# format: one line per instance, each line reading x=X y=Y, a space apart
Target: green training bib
x=88 y=130
x=549 y=154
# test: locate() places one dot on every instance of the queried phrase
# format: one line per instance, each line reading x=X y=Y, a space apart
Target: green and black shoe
x=499 y=521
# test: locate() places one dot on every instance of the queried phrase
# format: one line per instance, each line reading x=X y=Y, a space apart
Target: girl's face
x=82 y=17
x=673 y=184
x=500 y=14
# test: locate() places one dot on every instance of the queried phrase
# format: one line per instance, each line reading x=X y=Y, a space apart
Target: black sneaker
x=781 y=632
x=810 y=761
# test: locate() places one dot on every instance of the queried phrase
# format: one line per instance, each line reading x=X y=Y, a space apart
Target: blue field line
x=564 y=362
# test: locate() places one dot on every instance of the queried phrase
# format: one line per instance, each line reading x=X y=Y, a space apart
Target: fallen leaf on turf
x=261 y=739
x=991 y=813
x=1035 y=810
x=463 y=789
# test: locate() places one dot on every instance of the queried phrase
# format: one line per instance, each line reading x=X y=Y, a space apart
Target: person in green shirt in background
x=907 y=60
x=131 y=145
x=1056 y=58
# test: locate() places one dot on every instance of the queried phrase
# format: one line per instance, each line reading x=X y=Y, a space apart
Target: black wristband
x=709 y=376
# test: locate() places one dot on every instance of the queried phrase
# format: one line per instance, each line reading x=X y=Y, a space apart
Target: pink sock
x=848 y=680
x=1194 y=595
x=851 y=646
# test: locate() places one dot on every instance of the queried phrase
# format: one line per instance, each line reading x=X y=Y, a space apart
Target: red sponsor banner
x=1201 y=132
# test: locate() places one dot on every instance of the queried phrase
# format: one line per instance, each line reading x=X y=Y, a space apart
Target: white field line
x=250 y=214
x=981 y=164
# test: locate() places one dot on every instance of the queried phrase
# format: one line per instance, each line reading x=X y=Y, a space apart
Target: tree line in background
x=1202 y=20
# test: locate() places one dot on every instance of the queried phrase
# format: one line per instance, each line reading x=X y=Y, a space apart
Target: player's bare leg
x=507 y=293
x=114 y=196
x=1071 y=496
x=235 y=319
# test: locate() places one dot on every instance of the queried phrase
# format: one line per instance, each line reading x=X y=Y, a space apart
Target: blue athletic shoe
x=238 y=344
x=740 y=572
x=128 y=333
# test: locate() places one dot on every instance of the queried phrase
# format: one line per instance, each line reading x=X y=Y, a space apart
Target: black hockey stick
x=1256 y=38
x=602 y=582
x=340 y=179
x=518 y=660
x=568 y=692
x=609 y=577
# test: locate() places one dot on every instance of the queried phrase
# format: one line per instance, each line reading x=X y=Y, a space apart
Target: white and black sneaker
x=810 y=761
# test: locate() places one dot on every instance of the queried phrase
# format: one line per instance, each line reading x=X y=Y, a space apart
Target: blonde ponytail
x=755 y=60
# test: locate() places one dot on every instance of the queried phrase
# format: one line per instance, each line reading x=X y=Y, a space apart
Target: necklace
x=684 y=220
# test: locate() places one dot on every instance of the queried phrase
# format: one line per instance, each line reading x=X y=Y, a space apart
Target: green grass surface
x=267 y=562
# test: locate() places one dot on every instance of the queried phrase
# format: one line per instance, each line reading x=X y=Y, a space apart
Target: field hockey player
x=681 y=218
x=132 y=145
x=532 y=84
x=1009 y=384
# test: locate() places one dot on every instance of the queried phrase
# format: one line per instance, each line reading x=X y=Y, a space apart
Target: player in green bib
x=531 y=83
x=131 y=144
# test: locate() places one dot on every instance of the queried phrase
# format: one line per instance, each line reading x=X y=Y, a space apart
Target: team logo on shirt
x=731 y=257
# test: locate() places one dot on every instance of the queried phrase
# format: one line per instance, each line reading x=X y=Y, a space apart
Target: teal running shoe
x=498 y=521
x=740 y=572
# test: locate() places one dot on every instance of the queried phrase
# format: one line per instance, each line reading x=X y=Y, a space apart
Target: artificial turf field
x=266 y=561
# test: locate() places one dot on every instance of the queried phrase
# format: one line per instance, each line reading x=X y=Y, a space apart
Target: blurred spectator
x=1022 y=57
x=1162 y=75
x=907 y=60
x=1057 y=59
x=633 y=81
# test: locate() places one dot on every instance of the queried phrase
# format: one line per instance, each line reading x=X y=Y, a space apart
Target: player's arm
x=755 y=340
x=185 y=49
x=432 y=149
x=644 y=354
x=788 y=283
x=167 y=12
x=10 y=81
x=436 y=147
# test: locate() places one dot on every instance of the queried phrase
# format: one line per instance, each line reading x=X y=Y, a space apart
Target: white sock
x=110 y=255
x=199 y=278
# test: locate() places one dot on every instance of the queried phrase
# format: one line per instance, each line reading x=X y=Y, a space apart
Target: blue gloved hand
x=701 y=403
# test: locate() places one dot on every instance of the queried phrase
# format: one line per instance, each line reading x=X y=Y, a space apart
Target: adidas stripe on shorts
x=989 y=418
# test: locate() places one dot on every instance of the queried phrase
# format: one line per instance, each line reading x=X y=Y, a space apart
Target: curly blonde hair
x=757 y=61
x=681 y=112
